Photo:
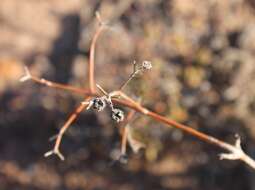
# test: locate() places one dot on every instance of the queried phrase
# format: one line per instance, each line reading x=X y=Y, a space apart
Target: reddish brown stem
x=128 y=102
x=184 y=128
x=29 y=76
x=124 y=141
x=235 y=151
x=124 y=134
x=60 y=86
x=67 y=124
x=91 y=66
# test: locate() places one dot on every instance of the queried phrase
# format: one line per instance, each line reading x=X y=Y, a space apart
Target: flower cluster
x=99 y=103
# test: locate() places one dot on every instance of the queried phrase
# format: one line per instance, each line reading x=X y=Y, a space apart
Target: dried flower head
x=96 y=103
x=117 y=115
x=146 y=65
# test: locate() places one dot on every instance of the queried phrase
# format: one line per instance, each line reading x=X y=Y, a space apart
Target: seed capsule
x=117 y=115
x=98 y=104
x=146 y=65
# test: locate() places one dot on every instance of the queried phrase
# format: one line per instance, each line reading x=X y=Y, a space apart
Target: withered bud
x=98 y=104
x=117 y=115
x=146 y=65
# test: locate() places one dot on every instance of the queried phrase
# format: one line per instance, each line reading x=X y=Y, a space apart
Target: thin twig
x=102 y=90
x=133 y=74
x=29 y=76
x=70 y=120
x=124 y=132
x=124 y=141
x=91 y=76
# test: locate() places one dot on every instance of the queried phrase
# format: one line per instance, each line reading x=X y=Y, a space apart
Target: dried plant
x=96 y=98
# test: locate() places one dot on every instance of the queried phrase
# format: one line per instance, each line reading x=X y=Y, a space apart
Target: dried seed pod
x=146 y=65
x=117 y=115
x=98 y=104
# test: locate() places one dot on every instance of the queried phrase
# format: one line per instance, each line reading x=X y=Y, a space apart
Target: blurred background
x=203 y=75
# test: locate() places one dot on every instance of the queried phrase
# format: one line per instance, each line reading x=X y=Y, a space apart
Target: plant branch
x=235 y=151
x=124 y=132
x=91 y=66
x=133 y=74
x=119 y=97
x=29 y=76
x=59 y=136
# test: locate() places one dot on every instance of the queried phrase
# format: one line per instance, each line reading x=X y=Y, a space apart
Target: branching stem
x=91 y=66
x=70 y=120
x=235 y=151
x=120 y=98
